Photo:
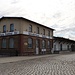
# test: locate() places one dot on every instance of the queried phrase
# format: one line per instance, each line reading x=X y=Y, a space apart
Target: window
x=43 y=44
x=37 y=43
x=30 y=28
x=43 y=31
x=37 y=30
x=48 y=44
x=48 y=33
x=11 y=43
x=30 y=43
x=4 y=43
x=11 y=27
x=4 y=28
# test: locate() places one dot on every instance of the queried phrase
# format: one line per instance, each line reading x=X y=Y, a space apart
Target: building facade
x=63 y=44
x=20 y=36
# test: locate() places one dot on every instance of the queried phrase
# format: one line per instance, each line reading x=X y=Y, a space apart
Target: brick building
x=20 y=36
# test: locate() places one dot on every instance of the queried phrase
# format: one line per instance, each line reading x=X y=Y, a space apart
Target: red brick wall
x=21 y=45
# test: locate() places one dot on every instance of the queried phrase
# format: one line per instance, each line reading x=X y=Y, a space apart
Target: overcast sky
x=57 y=14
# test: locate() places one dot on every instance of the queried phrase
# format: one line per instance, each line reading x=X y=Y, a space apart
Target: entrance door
x=37 y=47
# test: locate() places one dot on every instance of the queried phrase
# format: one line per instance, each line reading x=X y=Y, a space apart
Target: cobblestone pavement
x=56 y=65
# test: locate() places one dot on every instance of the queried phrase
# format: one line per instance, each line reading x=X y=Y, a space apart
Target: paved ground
x=46 y=65
x=20 y=58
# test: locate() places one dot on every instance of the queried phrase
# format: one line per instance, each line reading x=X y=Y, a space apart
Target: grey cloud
x=57 y=15
x=55 y=26
x=4 y=13
x=66 y=32
x=10 y=11
x=14 y=1
x=63 y=19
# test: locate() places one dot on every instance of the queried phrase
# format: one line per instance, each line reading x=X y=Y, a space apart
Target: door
x=37 y=47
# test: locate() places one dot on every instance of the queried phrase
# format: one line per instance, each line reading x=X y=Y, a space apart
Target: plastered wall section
x=25 y=27
x=7 y=22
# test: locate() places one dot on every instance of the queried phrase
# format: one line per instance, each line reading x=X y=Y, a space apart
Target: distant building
x=20 y=36
x=63 y=44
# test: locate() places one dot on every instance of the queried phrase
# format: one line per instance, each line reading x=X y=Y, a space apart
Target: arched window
x=43 y=31
x=48 y=33
x=4 y=43
x=11 y=43
x=48 y=44
x=30 y=28
x=43 y=44
x=37 y=30
x=37 y=43
x=11 y=27
x=30 y=43
x=4 y=28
